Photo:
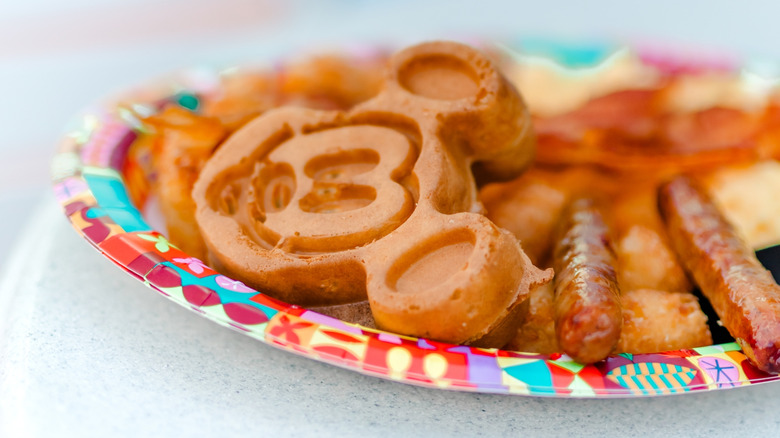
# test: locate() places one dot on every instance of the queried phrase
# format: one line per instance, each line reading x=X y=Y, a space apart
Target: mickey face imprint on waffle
x=328 y=208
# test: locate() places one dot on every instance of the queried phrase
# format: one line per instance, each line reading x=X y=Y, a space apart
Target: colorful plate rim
x=88 y=184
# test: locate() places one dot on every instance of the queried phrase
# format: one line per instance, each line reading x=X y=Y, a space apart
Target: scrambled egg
x=749 y=196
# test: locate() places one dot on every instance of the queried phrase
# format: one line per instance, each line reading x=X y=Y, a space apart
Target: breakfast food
x=588 y=317
x=743 y=293
x=183 y=140
x=537 y=330
x=747 y=196
x=645 y=258
x=368 y=206
x=630 y=126
x=660 y=320
x=533 y=205
x=185 y=143
x=379 y=204
x=631 y=115
x=653 y=321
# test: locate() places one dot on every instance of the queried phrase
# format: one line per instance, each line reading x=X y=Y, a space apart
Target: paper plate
x=90 y=184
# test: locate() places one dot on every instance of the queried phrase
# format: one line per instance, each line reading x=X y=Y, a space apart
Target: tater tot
x=537 y=331
x=747 y=195
x=529 y=208
x=186 y=141
x=656 y=321
x=645 y=257
x=646 y=261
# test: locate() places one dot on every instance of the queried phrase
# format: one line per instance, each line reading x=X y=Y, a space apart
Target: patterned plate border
x=89 y=185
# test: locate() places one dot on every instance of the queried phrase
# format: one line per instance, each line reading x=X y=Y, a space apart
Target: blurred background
x=57 y=57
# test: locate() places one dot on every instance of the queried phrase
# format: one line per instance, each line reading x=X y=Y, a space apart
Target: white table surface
x=86 y=350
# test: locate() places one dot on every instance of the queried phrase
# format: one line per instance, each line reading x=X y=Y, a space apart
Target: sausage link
x=742 y=292
x=588 y=317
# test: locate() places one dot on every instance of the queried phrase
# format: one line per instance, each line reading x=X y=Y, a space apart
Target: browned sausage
x=588 y=317
x=741 y=291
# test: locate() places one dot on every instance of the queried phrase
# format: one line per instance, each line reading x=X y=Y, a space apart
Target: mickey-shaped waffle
x=329 y=208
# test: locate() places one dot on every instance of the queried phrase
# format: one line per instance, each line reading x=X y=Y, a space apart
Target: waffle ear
x=479 y=111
